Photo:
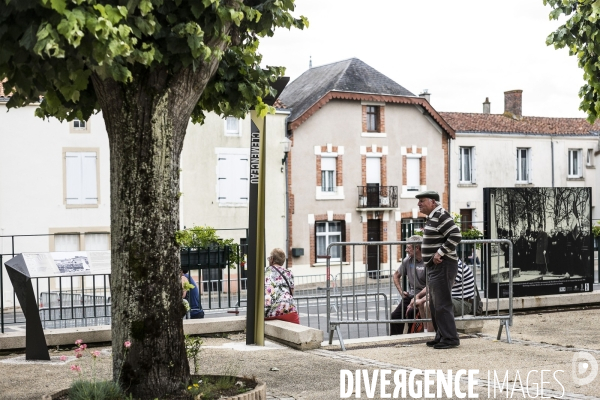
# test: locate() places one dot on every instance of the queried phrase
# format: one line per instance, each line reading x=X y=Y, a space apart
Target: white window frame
x=330 y=237
x=575 y=168
x=328 y=174
x=590 y=158
x=81 y=177
x=243 y=194
x=466 y=153
x=519 y=177
x=233 y=132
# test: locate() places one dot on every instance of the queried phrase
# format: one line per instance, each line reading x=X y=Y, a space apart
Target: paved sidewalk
x=542 y=341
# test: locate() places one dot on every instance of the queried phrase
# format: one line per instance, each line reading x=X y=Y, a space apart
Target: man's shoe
x=432 y=343
x=444 y=346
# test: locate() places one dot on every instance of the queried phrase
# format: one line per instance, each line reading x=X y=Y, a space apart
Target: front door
x=373 y=253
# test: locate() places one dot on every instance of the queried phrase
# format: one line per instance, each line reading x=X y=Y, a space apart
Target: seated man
x=414 y=269
x=192 y=296
x=462 y=304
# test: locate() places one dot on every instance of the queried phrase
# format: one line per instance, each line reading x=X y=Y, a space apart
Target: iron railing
x=375 y=196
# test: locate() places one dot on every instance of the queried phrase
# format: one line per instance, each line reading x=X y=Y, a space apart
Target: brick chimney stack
x=486 y=106
x=513 y=104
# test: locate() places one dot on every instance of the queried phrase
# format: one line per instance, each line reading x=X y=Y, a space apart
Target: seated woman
x=279 y=290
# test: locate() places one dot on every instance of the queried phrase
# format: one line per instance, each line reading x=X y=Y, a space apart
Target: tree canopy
x=51 y=48
x=581 y=35
x=148 y=65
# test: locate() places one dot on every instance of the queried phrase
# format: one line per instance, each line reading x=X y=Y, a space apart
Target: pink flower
x=95 y=354
x=127 y=344
x=83 y=346
x=78 y=342
x=78 y=355
x=75 y=368
x=63 y=358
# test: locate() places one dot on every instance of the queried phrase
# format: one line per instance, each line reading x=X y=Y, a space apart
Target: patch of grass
x=101 y=390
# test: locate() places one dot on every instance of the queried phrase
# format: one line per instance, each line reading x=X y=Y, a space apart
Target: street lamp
x=287 y=145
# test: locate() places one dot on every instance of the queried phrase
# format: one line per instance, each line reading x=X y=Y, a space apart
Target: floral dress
x=278 y=296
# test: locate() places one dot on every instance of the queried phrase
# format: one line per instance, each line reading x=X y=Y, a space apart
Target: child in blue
x=193 y=296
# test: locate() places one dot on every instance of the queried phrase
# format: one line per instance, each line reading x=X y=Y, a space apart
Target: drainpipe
x=552 y=157
x=449 y=173
x=287 y=196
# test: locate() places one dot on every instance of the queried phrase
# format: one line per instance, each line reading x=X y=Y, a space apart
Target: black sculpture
x=35 y=341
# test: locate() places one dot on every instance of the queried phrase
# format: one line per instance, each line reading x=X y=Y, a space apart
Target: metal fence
x=357 y=284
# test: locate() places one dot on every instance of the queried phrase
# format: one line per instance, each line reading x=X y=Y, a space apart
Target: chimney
x=486 y=106
x=425 y=95
x=513 y=104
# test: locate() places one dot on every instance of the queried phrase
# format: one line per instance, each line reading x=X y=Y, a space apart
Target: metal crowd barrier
x=358 y=281
x=313 y=311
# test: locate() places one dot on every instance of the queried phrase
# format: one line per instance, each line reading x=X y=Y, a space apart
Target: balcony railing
x=375 y=196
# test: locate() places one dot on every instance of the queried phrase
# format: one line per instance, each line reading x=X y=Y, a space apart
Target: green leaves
x=55 y=46
x=580 y=34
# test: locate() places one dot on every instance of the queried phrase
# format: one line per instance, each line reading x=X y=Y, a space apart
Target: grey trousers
x=441 y=278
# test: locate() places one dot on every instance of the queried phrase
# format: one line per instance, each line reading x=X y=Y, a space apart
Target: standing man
x=440 y=238
x=541 y=245
x=414 y=269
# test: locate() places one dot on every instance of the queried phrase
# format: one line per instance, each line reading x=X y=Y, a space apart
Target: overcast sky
x=462 y=51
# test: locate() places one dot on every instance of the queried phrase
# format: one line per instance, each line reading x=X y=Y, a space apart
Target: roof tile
x=499 y=123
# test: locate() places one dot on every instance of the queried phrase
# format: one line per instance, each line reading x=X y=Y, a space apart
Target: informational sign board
x=67 y=263
x=550 y=229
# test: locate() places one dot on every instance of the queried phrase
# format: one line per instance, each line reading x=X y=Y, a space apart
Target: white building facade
x=511 y=150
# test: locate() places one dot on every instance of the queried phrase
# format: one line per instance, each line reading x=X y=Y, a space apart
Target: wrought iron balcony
x=375 y=196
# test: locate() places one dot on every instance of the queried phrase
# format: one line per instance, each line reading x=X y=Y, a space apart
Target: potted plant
x=202 y=248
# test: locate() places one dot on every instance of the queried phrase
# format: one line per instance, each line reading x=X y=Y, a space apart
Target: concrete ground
x=541 y=341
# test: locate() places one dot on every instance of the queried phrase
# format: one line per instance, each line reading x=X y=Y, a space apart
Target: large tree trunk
x=146 y=123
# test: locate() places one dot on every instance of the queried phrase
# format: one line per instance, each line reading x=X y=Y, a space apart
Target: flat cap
x=429 y=194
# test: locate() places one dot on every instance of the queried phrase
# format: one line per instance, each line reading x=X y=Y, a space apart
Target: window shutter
x=460 y=164
x=413 y=173
x=373 y=170
x=241 y=182
x=223 y=178
x=517 y=164
x=66 y=242
x=74 y=177
x=89 y=182
x=473 y=165
x=97 y=241
x=529 y=165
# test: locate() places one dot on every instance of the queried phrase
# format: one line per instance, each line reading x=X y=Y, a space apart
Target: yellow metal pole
x=259 y=289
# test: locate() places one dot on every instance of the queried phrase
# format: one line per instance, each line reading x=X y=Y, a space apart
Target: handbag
x=417 y=327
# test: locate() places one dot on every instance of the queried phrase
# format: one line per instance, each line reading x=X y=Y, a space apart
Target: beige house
x=512 y=150
x=215 y=172
x=363 y=146
x=56 y=182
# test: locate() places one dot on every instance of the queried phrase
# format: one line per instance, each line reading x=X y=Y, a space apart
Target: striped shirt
x=464 y=281
x=440 y=235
